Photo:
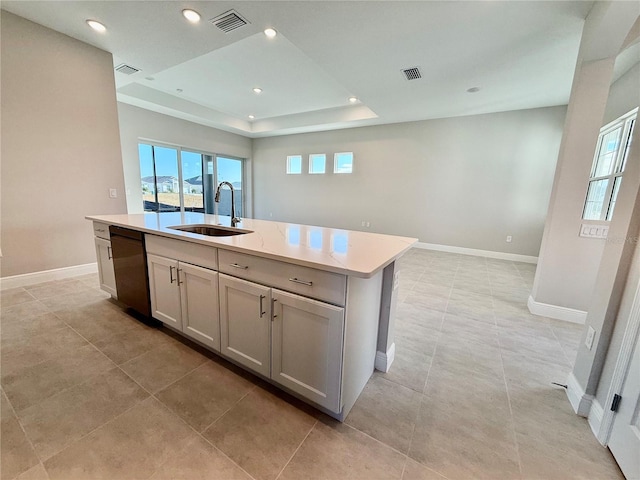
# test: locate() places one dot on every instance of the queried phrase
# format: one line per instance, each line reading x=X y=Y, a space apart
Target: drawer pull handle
x=302 y=282
x=101 y=230
x=109 y=254
x=171 y=274
x=178 y=270
x=262 y=297
x=237 y=265
x=273 y=309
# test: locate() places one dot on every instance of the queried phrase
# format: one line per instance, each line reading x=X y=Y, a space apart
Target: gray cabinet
x=245 y=323
x=106 y=274
x=306 y=347
x=185 y=297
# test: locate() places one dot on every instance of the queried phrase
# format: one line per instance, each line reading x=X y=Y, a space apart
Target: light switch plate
x=588 y=342
x=113 y=193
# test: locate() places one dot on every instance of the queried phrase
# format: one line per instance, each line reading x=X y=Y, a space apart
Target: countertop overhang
x=347 y=252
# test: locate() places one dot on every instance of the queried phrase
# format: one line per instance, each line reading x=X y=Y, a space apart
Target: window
x=169 y=185
x=317 y=163
x=294 y=164
x=608 y=167
x=343 y=162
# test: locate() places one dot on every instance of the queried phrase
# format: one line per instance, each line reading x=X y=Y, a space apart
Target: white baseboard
x=595 y=419
x=580 y=401
x=384 y=360
x=478 y=253
x=554 y=311
x=16 y=281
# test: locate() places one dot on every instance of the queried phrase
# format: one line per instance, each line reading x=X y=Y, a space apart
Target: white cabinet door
x=164 y=290
x=245 y=326
x=105 y=266
x=199 y=300
x=307 y=339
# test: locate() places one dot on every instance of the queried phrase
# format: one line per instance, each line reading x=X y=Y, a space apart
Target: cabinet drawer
x=309 y=282
x=188 y=252
x=101 y=230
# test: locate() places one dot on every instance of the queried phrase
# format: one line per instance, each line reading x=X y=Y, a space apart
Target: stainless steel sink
x=210 y=230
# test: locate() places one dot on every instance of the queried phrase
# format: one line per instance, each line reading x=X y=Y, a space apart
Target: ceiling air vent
x=127 y=69
x=229 y=21
x=412 y=73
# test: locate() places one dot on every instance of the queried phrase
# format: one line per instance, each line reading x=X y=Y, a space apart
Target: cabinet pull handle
x=262 y=297
x=109 y=255
x=171 y=274
x=237 y=265
x=178 y=270
x=302 y=282
x=273 y=309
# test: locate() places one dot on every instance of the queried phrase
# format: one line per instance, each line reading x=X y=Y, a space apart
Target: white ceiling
x=521 y=54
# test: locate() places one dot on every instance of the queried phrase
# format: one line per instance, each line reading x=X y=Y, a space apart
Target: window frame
x=626 y=124
x=288 y=170
x=324 y=170
x=335 y=163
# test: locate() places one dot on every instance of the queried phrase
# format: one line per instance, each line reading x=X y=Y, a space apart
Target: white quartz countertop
x=341 y=251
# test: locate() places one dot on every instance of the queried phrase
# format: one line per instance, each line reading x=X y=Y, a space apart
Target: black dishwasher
x=130 y=268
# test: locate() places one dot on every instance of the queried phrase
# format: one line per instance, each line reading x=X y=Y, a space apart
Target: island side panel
x=360 y=337
x=386 y=328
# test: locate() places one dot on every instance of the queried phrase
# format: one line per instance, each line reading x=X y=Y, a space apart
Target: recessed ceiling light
x=353 y=99
x=257 y=90
x=97 y=26
x=270 y=32
x=251 y=117
x=191 y=15
x=473 y=90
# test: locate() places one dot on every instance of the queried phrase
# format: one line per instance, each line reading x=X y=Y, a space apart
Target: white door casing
x=622 y=429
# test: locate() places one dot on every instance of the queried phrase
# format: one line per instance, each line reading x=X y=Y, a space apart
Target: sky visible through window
x=166 y=164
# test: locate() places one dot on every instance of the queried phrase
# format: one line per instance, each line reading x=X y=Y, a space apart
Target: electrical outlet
x=364 y=223
x=396 y=280
x=588 y=342
x=509 y=238
x=113 y=193
x=368 y=224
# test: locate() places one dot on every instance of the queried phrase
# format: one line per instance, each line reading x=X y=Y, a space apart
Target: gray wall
x=465 y=181
x=622 y=320
x=137 y=123
x=60 y=147
x=624 y=95
x=569 y=263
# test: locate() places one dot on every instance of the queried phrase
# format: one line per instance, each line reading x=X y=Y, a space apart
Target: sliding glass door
x=188 y=185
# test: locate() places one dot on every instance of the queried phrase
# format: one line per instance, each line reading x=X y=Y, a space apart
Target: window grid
x=608 y=167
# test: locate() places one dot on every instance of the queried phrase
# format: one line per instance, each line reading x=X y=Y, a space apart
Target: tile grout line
x=33 y=448
x=506 y=386
x=198 y=434
x=422 y=395
x=296 y=450
x=227 y=411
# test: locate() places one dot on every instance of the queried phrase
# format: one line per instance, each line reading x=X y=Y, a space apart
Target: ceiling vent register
x=126 y=69
x=229 y=21
x=412 y=73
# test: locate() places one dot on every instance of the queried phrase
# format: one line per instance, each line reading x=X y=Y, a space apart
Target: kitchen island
x=310 y=309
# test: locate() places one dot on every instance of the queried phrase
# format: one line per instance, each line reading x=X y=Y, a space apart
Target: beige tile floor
x=88 y=392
